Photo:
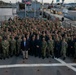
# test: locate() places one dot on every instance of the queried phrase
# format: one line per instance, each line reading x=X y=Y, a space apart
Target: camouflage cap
x=0 y=37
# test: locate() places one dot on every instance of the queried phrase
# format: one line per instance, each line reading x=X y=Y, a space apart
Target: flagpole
x=25 y=7
x=25 y=10
x=35 y=9
x=42 y=8
x=63 y=2
x=16 y=1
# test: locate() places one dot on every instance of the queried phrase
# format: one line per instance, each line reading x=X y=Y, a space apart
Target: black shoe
x=43 y=57
x=1 y=58
x=17 y=55
x=26 y=58
x=64 y=58
x=39 y=56
x=57 y=57
x=11 y=56
x=53 y=57
x=7 y=56
x=47 y=56
x=4 y=58
x=23 y=58
x=35 y=55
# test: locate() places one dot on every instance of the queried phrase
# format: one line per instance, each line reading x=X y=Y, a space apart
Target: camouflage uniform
x=13 y=47
x=43 y=48
x=63 y=50
x=18 y=46
x=5 y=48
x=66 y=39
x=50 y=47
x=9 y=45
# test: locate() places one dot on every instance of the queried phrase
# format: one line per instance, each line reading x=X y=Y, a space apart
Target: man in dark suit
x=32 y=45
x=71 y=47
x=24 y=48
x=28 y=43
x=57 y=48
x=38 y=47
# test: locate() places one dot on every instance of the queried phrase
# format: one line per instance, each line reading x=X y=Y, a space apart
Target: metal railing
x=6 y=17
x=69 y=23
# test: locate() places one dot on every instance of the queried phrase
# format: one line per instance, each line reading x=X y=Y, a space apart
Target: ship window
x=21 y=6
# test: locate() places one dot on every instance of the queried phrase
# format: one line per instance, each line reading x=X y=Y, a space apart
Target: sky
x=47 y=1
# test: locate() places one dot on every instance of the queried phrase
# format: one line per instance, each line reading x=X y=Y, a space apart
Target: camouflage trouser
x=50 y=51
x=5 y=53
x=64 y=52
x=13 y=51
x=18 y=50
x=43 y=52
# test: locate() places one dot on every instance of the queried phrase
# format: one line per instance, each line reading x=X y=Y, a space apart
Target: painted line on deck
x=67 y=64
x=30 y=65
x=39 y=65
x=72 y=64
x=62 y=63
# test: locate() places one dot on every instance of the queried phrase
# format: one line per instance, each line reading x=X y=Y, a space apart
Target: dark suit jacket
x=38 y=43
x=28 y=44
x=22 y=46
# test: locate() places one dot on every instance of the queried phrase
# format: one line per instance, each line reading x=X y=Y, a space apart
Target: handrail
x=68 y=24
x=67 y=21
x=5 y=17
